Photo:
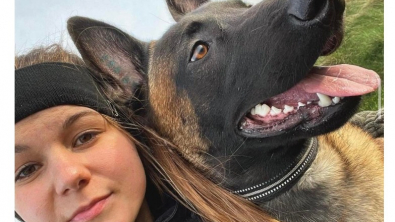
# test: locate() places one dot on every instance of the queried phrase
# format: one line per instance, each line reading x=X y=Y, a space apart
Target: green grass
x=363 y=43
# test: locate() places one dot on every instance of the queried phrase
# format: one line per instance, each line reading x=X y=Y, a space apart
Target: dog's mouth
x=310 y=102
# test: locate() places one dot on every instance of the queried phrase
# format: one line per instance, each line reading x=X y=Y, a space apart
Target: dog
x=235 y=88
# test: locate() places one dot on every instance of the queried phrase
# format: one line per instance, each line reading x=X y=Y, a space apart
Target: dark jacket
x=173 y=211
x=165 y=208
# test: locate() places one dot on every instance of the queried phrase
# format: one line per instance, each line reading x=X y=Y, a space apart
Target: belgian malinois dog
x=235 y=88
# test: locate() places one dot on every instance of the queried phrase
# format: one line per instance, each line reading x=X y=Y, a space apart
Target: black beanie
x=46 y=85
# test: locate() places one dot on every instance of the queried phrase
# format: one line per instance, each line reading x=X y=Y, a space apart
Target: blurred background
x=363 y=44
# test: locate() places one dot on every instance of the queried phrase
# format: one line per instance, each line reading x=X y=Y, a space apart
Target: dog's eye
x=199 y=51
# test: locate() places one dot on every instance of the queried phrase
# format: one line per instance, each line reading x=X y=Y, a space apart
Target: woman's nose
x=69 y=172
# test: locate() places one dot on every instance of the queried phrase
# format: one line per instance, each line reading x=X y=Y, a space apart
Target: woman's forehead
x=51 y=118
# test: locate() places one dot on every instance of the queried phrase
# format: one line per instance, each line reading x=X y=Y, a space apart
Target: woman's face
x=72 y=165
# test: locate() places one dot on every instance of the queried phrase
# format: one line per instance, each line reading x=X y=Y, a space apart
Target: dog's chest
x=332 y=189
x=317 y=196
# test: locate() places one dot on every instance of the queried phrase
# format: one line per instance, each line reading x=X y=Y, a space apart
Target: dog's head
x=230 y=79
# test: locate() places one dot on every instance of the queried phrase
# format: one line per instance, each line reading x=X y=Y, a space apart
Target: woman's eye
x=26 y=171
x=199 y=51
x=85 y=138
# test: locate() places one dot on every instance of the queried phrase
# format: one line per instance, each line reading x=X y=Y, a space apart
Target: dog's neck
x=273 y=173
x=283 y=180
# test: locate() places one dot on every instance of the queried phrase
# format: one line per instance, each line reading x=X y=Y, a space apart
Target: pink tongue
x=340 y=80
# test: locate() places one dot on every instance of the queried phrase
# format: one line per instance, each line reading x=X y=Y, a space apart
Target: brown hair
x=166 y=168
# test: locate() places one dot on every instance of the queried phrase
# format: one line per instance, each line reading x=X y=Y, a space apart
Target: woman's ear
x=110 y=51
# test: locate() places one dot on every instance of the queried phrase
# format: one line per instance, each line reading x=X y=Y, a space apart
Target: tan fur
x=364 y=165
x=174 y=114
x=350 y=164
x=344 y=183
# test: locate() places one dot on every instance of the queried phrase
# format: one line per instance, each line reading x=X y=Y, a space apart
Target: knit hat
x=46 y=85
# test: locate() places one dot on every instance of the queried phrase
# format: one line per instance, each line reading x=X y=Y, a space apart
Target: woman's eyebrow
x=69 y=121
x=20 y=148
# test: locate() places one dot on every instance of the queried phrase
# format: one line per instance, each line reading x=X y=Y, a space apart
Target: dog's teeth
x=300 y=104
x=336 y=100
x=258 y=108
x=288 y=109
x=266 y=109
x=324 y=100
x=275 y=111
x=262 y=110
x=309 y=102
x=253 y=111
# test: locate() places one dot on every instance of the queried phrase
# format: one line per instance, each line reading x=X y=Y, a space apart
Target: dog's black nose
x=305 y=10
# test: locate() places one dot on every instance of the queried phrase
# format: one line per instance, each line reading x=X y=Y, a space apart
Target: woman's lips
x=86 y=213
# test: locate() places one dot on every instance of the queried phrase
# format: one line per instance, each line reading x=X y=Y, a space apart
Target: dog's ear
x=179 y=8
x=110 y=51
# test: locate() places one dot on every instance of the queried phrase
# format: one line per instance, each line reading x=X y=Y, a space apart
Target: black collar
x=281 y=182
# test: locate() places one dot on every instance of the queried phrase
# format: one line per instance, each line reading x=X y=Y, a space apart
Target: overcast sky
x=42 y=22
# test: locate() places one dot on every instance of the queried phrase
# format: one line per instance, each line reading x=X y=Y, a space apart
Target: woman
x=80 y=154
